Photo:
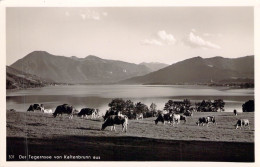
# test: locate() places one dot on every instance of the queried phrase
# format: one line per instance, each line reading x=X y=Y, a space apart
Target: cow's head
x=54 y=114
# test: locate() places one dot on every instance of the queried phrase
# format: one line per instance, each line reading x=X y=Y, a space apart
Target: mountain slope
x=154 y=66
x=90 y=69
x=16 y=79
x=199 y=70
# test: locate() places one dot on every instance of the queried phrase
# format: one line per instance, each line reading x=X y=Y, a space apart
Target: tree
x=169 y=106
x=209 y=106
x=249 y=106
x=153 y=109
x=141 y=108
x=129 y=108
x=219 y=104
x=117 y=105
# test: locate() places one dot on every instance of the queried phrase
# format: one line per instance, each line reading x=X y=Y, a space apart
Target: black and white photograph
x=130 y=83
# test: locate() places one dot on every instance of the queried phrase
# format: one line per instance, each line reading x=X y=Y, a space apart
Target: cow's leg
x=114 y=128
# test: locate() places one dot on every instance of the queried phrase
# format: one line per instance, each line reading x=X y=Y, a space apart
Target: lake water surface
x=98 y=96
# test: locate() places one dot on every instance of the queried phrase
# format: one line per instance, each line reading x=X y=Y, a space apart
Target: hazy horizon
x=131 y=34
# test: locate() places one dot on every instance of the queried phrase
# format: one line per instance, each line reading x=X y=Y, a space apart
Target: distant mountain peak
x=92 y=57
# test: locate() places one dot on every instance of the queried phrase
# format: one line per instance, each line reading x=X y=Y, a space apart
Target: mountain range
x=198 y=70
x=95 y=70
x=90 y=69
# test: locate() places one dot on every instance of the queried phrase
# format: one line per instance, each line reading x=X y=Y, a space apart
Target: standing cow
x=65 y=109
x=235 y=112
x=34 y=107
x=87 y=112
x=164 y=117
x=242 y=122
x=139 y=116
x=113 y=120
x=206 y=120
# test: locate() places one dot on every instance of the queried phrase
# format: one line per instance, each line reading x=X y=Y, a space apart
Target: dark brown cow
x=65 y=109
x=113 y=120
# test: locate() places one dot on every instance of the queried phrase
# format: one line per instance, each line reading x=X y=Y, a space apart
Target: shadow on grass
x=126 y=148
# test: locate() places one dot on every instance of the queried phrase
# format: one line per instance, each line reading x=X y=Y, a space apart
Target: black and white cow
x=113 y=120
x=164 y=117
x=88 y=112
x=206 y=120
x=242 y=122
x=34 y=107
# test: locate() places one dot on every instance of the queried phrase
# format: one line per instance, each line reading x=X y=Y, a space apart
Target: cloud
x=168 y=38
x=161 y=38
x=196 y=41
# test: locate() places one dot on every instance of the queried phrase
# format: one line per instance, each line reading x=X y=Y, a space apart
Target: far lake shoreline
x=98 y=96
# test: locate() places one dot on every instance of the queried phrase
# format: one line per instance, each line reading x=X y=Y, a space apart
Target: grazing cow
x=34 y=107
x=242 y=122
x=88 y=111
x=211 y=119
x=48 y=111
x=164 y=117
x=206 y=120
x=113 y=120
x=139 y=116
x=65 y=109
x=235 y=112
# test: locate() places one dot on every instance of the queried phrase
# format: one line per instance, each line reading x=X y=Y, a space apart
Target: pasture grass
x=61 y=135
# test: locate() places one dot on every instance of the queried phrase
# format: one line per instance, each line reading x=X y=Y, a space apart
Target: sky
x=131 y=34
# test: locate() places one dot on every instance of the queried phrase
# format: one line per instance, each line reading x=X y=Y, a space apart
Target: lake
x=98 y=96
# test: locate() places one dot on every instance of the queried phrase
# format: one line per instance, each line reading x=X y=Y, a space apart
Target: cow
x=88 y=111
x=65 y=109
x=242 y=122
x=47 y=111
x=113 y=120
x=139 y=116
x=177 y=118
x=201 y=121
x=164 y=117
x=110 y=112
x=235 y=112
x=34 y=107
x=206 y=120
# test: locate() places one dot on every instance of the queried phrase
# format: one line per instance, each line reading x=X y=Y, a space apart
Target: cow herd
x=112 y=118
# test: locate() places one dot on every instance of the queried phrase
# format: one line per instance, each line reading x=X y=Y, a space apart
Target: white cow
x=48 y=111
x=176 y=118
